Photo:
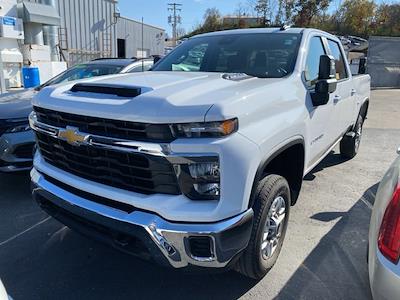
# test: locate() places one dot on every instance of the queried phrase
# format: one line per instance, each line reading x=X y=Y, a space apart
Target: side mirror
x=327 y=67
x=156 y=58
x=326 y=83
x=362 y=67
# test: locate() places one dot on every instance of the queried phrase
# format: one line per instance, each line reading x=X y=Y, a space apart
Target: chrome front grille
x=106 y=127
x=133 y=171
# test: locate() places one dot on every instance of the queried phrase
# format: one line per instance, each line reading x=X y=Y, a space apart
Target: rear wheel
x=350 y=143
x=271 y=213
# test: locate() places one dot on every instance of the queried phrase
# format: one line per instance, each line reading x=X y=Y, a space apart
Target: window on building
x=142 y=53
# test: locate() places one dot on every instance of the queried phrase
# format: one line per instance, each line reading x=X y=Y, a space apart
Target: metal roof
x=38 y=13
x=114 y=61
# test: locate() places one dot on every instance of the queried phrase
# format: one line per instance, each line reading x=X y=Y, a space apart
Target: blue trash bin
x=30 y=76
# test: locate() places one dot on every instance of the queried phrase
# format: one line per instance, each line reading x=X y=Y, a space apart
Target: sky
x=155 y=12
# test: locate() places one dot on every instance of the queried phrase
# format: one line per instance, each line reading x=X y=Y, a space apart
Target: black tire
x=252 y=263
x=350 y=143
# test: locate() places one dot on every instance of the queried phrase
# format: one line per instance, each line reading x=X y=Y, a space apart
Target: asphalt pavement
x=323 y=257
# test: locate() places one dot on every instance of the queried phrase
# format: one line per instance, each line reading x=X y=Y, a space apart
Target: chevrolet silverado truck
x=196 y=163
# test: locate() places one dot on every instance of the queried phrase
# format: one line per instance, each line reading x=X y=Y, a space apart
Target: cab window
x=315 y=50
x=341 y=72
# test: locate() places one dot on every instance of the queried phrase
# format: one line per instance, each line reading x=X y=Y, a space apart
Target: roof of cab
x=278 y=30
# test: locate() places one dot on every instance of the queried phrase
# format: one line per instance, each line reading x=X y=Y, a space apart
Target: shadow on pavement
x=52 y=262
x=337 y=267
x=49 y=261
x=332 y=159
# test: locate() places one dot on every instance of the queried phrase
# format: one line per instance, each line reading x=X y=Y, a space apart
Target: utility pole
x=174 y=19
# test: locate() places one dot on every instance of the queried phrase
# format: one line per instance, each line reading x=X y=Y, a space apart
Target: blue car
x=16 y=138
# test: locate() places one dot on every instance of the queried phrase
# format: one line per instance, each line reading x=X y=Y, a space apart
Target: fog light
x=211 y=189
x=199 y=170
x=200 y=180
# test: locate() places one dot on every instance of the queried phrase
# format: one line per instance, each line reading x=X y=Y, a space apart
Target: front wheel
x=271 y=214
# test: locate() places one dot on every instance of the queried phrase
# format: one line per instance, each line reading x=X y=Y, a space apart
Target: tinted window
x=341 y=71
x=256 y=54
x=315 y=50
x=84 y=71
x=141 y=68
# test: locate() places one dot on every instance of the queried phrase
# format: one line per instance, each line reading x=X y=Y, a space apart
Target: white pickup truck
x=197 y=162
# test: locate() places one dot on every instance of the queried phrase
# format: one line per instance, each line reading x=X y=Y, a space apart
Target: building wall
x=87 y=29
x=90 y=28
x=384 y=61
x=8 y=8
x=131 y=32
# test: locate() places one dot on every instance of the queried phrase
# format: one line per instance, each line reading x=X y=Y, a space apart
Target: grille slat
x=136 y=172
x=107 y=127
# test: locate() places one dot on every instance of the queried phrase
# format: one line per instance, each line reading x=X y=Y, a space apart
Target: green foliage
x=263 y=9
x=307 y=9
x=354 y=17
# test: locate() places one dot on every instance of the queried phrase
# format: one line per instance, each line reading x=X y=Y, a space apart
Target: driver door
x=320 y=118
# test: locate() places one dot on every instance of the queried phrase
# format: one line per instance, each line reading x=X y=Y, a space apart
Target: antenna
x=174 y=19
x=284 y=27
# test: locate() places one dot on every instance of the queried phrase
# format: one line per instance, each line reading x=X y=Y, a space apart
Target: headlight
x=200 y=180
x=18 y=128
x=206 y=129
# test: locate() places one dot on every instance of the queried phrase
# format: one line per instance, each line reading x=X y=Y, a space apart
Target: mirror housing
x=326 y=83
x=327 y=67
x=362 y=66
x=156 y=58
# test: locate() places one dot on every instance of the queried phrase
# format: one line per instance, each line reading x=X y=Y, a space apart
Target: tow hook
x=162 y=241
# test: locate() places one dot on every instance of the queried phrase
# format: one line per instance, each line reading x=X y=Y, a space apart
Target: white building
x=53 y=34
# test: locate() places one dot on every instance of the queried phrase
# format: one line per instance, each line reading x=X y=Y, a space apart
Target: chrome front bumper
x=167 y=242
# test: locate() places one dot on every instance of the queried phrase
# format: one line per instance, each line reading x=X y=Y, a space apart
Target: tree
x=180 y=32
x=387 y=20
x=263 y=9
x=212 y=20
x=307 y=9
x=357 y=16
x=289 y=9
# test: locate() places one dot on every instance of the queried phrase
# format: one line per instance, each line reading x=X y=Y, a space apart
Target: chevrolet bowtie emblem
x=72 y=135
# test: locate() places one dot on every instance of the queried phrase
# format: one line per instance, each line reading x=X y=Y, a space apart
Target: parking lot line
x=25 y=231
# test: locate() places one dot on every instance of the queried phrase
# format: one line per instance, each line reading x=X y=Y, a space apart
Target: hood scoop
x=110 y=89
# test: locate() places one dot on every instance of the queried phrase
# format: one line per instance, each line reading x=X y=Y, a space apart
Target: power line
x=174 y=19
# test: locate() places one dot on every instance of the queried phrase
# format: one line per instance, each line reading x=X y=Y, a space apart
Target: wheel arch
x=288 y=162
x=364 y=109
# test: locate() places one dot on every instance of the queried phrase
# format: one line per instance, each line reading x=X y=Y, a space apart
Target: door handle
x=337 y=98
x=353 y=92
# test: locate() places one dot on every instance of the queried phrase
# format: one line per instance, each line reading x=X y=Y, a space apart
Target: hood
x=16 y=105
x=165 y=96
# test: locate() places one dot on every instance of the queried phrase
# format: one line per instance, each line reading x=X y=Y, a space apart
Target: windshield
x=266 y=55
x=83 y=71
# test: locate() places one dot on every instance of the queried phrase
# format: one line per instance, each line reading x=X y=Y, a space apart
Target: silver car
x=16 y=138
x=384 y=237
